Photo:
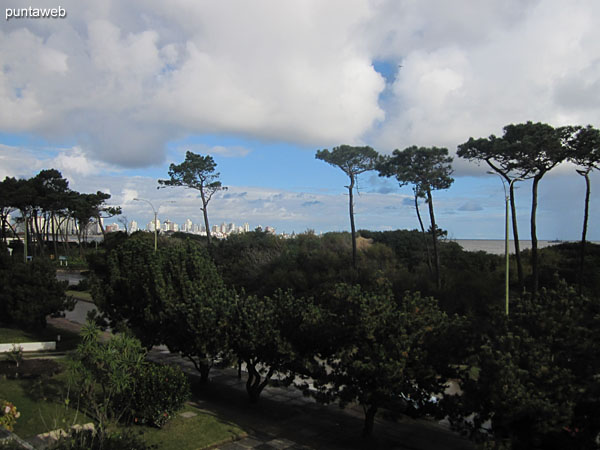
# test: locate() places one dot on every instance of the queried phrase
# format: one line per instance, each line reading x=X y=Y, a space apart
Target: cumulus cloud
x=126 y=79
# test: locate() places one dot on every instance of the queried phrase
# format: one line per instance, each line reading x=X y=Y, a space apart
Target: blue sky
x=114 y=93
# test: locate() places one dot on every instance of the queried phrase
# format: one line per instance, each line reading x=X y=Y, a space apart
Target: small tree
x=262 y=335
x=585 y=152
x=380 y=353
x=104 y=372
x=196 y=172
x=428 y=169
x=173 y=296
x=353 y=161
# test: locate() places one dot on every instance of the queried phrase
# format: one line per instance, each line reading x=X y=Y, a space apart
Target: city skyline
x=111 y=94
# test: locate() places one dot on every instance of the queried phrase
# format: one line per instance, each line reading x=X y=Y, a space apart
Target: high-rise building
x=133 y=226
x=246 y=227
x=152 y=226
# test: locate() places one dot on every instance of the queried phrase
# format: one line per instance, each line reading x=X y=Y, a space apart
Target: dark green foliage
x=380 y=351
x=267 y=334
x=117 y=384
x=105 y=374
x=30 y=292
x=101 y=440
x=173 y=296
x=159 y=392
x=534 y=376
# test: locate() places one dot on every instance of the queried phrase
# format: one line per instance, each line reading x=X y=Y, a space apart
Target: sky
x=114 y=92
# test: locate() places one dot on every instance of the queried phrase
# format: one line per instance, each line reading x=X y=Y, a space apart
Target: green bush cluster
x=116 y=384
x=158 y=393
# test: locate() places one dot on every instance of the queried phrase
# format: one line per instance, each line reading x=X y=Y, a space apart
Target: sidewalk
x=285 y=419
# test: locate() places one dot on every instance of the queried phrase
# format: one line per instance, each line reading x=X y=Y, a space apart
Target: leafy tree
x=263 y=331
x=427 y=169
x=536 y=148
x=52 y=191
x=30 y=292
x=528 y=150
x=497 y=156
x=106 y=372
x=585 y=152
x=173 y=296
x=380 y=352
x=196 y=172
x=353 y=161
x=533 y=376
x=7 y=191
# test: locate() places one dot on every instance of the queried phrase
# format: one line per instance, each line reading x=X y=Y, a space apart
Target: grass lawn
x=68 y=340
x=43 y=408
x=41 y=403
x=200 y=431
x=80 y=295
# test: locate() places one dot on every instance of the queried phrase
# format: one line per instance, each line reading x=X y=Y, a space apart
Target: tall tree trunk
x=436 y=255
x=54 y=235
x=370 y=412
x=584 y=232
x=513 y=211
x=35 y=228
x=352 y=228
x=423 y=231
x=99 y=220
x=534 y=243
x=205 y=213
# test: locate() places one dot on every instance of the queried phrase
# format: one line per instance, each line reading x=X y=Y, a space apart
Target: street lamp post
x=506 y=227
x=155 y=211
x=155 y=220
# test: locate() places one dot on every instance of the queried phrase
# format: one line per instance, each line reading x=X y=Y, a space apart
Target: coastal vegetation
x=362 y=317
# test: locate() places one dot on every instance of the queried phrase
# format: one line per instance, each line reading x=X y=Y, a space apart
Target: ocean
x=496 y=246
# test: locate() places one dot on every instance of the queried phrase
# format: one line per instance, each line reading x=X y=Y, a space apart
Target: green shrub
x=90 y=440
x=159 y=392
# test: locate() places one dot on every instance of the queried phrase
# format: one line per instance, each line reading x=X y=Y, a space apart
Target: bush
x=159 y=392
x=91 y=440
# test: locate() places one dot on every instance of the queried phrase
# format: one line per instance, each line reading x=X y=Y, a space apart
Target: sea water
x=496 y=246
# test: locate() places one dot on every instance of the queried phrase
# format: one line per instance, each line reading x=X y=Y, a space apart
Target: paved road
x=79 y=314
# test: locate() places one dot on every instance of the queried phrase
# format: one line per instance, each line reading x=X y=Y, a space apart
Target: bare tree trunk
x=352 y=227
x=205 y=213
x=436 y=255
x=54 y=235
x=584 y=232
x=513 y=211
x=423 y=231
x=534 y=242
